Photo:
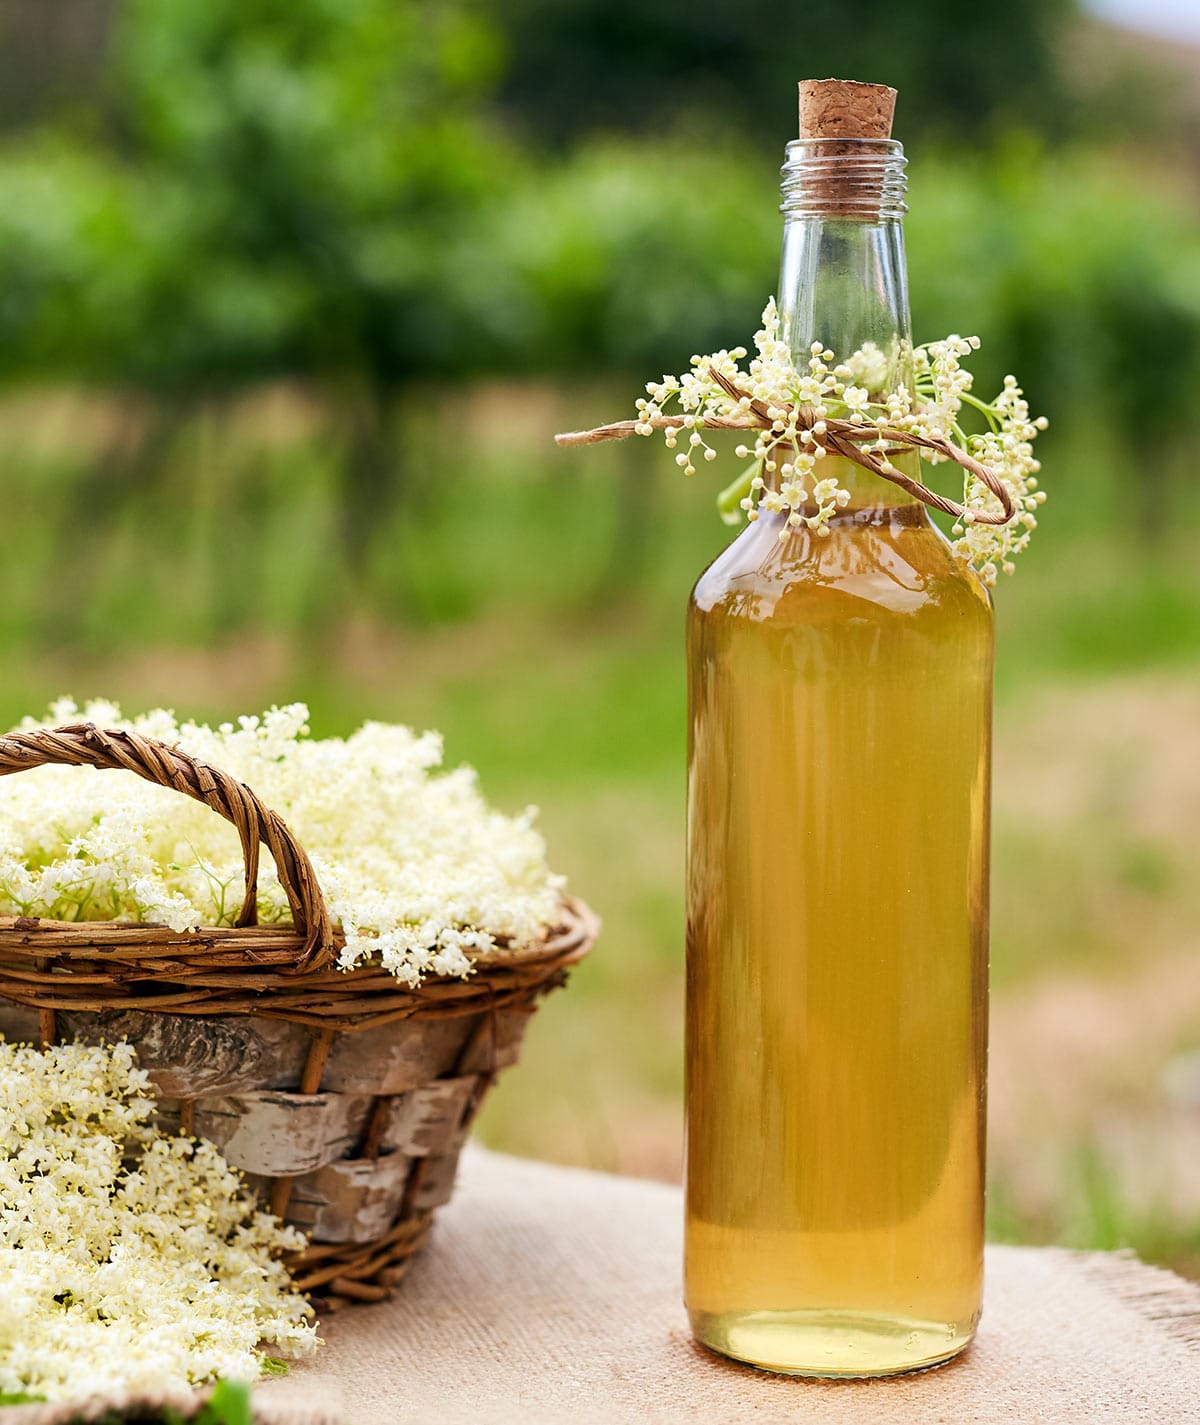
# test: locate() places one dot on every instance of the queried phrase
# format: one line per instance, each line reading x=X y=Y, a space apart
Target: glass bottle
x=837 y=883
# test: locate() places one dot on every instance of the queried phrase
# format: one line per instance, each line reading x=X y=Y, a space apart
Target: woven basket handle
x=85 y=745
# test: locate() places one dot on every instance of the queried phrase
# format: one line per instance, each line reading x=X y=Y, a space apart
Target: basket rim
x=167 y=765
x=113 y=965
x=574 y=915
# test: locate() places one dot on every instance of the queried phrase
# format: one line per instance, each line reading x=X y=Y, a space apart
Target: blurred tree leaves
x=327 y=188
x=620 y=65
x=314 y=165
x=369 y=194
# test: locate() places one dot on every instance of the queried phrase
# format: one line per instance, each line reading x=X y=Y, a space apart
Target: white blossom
x=130 y=1260
x=419 y=871
x=864 y=390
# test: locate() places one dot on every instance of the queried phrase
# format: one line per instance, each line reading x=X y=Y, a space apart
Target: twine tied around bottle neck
x=839 y=437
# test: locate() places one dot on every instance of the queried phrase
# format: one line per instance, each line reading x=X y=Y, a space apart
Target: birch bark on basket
x=343 y=1095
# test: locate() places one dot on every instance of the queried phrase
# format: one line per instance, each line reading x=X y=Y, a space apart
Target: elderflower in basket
x=416 y=868
x=319 y=983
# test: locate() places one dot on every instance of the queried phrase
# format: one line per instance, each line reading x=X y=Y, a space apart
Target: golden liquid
x=838 y=787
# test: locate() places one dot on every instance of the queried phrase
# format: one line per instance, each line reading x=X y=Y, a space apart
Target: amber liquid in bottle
x=838 y=789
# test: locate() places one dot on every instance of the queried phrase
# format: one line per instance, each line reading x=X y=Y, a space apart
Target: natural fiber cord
x=841 y=437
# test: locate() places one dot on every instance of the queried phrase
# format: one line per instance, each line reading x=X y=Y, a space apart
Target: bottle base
x=831 y=1345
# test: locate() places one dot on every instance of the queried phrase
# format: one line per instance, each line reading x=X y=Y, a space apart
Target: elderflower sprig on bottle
x=419 y=872
x=131 y=1260
x=789 y=407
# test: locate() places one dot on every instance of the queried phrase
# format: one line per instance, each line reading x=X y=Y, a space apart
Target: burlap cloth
x=552 y=1295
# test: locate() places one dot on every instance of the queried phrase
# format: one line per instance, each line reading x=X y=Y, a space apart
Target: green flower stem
x=729 y=501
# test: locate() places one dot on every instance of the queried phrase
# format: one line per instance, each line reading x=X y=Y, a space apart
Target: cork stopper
x=845 y=109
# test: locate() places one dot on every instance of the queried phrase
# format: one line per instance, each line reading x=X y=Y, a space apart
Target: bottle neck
x=844 y=279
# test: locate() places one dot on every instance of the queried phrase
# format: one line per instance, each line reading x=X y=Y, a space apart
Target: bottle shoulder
x=869 y=568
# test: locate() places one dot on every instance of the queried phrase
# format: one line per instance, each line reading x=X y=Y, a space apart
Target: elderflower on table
x=130 y=1261
x=418 y=870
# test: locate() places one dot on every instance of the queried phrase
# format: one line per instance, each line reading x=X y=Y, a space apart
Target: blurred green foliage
x=376 y=197
x=332 y=188
x=366 y=194
x=274 y=187
x=269 y=269
x=961 y=70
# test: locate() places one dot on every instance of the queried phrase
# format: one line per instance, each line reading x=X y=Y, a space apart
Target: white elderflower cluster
x=1007 y=450
x=789 y=407
x=420 y=873
x=130 y=1261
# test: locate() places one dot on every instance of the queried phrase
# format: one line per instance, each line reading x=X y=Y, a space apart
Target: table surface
x=552 y=1294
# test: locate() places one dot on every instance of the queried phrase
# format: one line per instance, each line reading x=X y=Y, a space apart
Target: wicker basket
x=343 y=1095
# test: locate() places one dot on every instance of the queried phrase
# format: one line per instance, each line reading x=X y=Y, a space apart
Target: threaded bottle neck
x=847 y=179
x=843 y=281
